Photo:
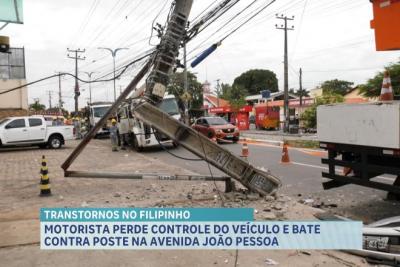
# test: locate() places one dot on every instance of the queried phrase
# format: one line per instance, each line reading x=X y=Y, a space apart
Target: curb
x=265 y=141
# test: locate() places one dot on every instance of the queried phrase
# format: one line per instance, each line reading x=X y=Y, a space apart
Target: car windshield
x=100 y=111
x=169 y=106
x=216 y=121
x=3 y=121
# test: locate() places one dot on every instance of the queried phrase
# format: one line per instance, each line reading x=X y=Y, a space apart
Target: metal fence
x=12 y=64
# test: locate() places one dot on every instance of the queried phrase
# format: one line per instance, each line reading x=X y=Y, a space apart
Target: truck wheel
x=55 y=142
x=136 y=145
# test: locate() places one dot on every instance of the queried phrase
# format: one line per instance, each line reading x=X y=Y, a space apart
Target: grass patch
x=303 y=143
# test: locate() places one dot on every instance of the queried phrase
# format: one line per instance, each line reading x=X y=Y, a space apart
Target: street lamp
x=90 y=84
x=113 y=54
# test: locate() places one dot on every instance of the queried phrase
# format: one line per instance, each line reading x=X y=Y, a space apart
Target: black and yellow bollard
x=44 y=179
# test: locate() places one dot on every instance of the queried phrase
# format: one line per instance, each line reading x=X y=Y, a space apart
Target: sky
x=330 y=40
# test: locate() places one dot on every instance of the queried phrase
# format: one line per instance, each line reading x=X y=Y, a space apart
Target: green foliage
x=299 y=92
x=225 y=89
x=257 y=80
x=176 y=87
x=309 y=116
x=236 y=97
x=36 y=106
x=336 y=86
x=373 y=86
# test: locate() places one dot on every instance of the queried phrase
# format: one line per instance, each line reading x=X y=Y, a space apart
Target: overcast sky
x=331 y=39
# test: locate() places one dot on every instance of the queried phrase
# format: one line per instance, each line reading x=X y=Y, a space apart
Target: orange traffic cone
x=285 y=154
x=387 y=90
x=245 y=149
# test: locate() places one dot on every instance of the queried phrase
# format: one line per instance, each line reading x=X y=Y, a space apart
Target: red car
x=217 y=127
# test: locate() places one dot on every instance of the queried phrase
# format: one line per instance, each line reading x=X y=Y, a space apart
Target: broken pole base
x=391 y=195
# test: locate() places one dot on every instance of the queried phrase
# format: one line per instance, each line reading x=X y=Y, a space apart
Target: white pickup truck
x=33 y=130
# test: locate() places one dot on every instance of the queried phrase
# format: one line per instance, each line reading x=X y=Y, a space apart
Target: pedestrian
x=114 y=135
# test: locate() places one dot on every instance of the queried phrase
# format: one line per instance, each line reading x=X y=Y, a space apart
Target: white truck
x=33 y=130
x=364 y=139
x=96 y=112
x=143 y=135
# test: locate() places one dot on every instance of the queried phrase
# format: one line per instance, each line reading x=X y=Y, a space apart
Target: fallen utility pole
x=257 y=180
x=164 y=62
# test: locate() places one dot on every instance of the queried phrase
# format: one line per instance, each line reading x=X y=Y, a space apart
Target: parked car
x=28 y=131
x=217 y=127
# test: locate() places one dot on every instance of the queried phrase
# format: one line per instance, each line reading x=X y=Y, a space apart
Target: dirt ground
x=20 y=203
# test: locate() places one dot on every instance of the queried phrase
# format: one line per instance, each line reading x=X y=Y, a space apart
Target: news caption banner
x=191 y=228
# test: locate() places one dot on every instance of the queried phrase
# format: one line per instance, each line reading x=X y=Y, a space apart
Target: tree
x=257 y=80
x=225 y=89
x=236 y=97
x=176 y=87
x=309 y=116
x=303 y=92
x=336 y=86
x=36 y=106
x=373 y=86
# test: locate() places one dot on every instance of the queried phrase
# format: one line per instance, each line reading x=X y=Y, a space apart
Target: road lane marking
x=326 y=168
x=311 y=152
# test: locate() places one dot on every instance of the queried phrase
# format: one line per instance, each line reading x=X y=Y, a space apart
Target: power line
x=76 y=77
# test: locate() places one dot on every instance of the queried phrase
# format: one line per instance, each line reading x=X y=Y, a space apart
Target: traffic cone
x=245 y=149
x=44 y=179
x=387 y=90
x=285 y=154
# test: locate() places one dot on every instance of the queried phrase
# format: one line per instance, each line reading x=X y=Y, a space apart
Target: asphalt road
x=301 y=179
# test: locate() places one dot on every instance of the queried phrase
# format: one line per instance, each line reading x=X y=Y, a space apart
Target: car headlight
x=218 y=131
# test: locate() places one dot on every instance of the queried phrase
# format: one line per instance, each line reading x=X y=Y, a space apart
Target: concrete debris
x=271 y=262
x=189 y=196
x=308 y=201
x=117 y=195
x=84 y=204
x=269 y=216
x=253 y=196
x=269 y=198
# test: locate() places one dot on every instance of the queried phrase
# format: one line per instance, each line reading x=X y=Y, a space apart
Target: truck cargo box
x=369 y=124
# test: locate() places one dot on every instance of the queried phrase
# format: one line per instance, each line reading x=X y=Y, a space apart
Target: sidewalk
x=20 y=203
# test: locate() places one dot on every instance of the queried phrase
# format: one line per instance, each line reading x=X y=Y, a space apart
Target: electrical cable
x=209 y=168
x=253 y=16
x=79 y=79
x=173 y=154
x=154 y=20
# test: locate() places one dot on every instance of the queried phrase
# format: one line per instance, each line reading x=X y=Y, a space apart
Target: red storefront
x=240 y=118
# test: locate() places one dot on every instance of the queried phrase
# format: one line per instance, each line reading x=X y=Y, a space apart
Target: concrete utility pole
x=113 y=54
x=76 y=57
x=301 y=86
x=90 y=84
x=286 y=64
x=218 y=92
x=185 y=83
x=59 y=94
x=49 y=98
